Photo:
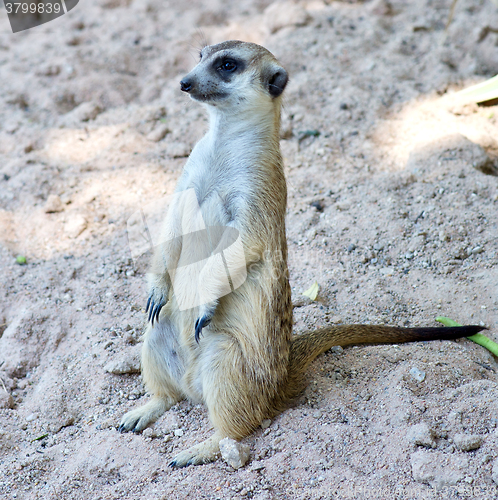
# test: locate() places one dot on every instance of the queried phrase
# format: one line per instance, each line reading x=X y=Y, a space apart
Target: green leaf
x=478 y=338
x=312 y=291
x=20 y=259
x=485 y=91
x=39 y=438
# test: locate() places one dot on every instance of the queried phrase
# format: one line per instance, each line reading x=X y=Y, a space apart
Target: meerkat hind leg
x=162 y=368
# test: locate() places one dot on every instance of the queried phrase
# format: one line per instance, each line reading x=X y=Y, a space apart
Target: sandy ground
x=393 y=210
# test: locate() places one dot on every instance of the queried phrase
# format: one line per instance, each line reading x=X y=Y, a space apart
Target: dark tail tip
x=473 y=329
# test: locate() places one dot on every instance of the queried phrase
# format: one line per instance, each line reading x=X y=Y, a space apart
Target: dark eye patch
x=226 y=66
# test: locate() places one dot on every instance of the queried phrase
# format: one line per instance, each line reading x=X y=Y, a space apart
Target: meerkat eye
x=228 y=66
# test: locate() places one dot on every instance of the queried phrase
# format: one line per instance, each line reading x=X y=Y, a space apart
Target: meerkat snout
x=185 y=86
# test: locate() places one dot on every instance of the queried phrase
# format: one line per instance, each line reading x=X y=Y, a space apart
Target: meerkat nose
x=186 y=85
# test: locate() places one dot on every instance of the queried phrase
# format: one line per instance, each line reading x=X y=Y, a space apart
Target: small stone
x=301 y=301
x=177 y=150
x=409 y=256
x=53 y=204
x=75 y=226
x=381 y=8
x=129 y=362
x=234 y=453
x=178 y=432
x=437 y=468
x=31 y=417
x=257 y=466
x=336 y=349
x=108 y=423
x=159 y=133
x=494 y=472
x=265 y=424
x=87 y=111
x=281 y=14
x=421 y=435
x=443 y=236
x=151 y=432
x=467 y=442
x=6 y=399
x=387 y=271
x=417 y=374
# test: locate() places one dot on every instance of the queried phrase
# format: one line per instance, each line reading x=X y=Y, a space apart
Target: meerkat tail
x=307 y=346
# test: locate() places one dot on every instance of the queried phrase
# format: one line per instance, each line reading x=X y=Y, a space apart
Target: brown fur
x=247 y=365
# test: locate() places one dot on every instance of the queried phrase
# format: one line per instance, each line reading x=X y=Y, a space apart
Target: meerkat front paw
x=206 y=314
x=155 y=303
x=159 y=287
x=139 y=418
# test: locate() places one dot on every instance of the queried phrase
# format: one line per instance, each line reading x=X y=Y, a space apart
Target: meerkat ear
x=276 y=80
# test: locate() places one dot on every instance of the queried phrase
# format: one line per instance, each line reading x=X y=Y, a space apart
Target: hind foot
x=202 y=453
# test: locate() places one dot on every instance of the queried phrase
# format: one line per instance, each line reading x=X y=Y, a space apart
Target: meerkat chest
x=218 y=185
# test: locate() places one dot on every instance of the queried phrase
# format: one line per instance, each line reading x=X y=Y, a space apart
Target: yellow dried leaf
x=312 y=291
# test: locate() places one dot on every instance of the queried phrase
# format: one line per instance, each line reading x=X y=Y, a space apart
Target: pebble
x=265 y=424
x=494 y=472
x=6 y=399
x=75 y=226
x=86 y=111
x=421 y=435
x=443 y=236
x=129 y=362
x=467 y=442
x=437 y=468
x=417 y=374
x=152 y=432
x=53 y=204
x=234 y=453
x=159 y=133
x=178 y=432
x=278 y=15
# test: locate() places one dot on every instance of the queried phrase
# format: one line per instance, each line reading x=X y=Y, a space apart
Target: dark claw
x=174 y=464
x=121 y=429
x=199 y=325
x=154 y=312
x=151 y=309
x=158 y=310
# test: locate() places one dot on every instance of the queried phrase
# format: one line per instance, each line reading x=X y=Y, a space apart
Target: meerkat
x=220 y=327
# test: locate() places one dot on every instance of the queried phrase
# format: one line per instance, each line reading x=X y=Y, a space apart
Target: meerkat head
x=235 y=74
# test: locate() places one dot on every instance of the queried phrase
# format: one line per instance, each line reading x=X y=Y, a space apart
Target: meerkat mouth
x=214 y=96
